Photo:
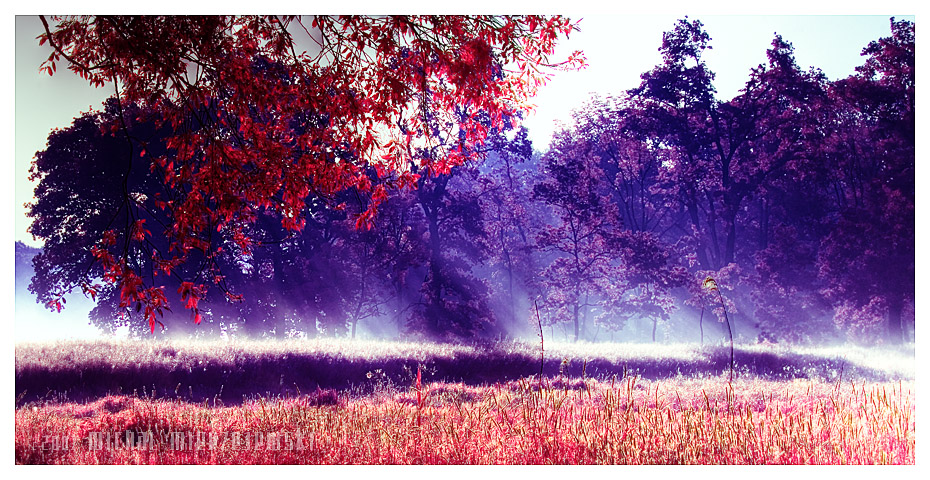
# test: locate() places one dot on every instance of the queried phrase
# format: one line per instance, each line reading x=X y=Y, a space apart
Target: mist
x=35 y=323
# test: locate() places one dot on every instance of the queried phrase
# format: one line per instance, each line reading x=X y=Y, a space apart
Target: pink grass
x=677 y=421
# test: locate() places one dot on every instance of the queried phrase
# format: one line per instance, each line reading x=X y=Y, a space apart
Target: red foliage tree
x=258 y=125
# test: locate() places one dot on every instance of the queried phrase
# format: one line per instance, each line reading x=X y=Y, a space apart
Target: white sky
x=619 y=47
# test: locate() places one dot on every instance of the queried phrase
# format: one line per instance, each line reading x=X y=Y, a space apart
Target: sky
x=618 y=47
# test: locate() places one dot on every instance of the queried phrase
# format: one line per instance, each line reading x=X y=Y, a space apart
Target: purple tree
x=605 y=252
x=511 y=219
x=582 y=243
x=725 y=151
x=377 y=262
x=453 y=299
x=867 y=258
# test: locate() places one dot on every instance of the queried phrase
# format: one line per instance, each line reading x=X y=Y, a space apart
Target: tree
x=726 y=151
x=583 y=242
x=256 y=126
x=511 y=219
x=23 y=264
x=867 y=259
x=786 y=286
x=378 y=261
x=729 y=169
x=87 y=186
x=454 y=299
x=83 y=177
x=600 y=180
x=322 y=279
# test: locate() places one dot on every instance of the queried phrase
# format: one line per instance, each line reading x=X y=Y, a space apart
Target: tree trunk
x=696 y=222
x=430 y=199
x=575 y=318
x=508 y=261
x=584 y=315
x=655 y=323
x=356 y=317
x=764 y=225
x=730 y=253
x=435 y=298
x=895 y=332
x=434 y=275
x=712 y=229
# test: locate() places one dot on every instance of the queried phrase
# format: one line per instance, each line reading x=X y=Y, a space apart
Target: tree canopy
x=256 y=123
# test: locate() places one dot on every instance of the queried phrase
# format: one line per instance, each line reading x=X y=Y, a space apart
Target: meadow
x=338 y=402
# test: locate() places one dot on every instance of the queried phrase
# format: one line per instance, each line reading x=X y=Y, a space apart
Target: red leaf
x=258 y=156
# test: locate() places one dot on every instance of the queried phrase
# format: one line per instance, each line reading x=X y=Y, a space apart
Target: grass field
x=362 y=403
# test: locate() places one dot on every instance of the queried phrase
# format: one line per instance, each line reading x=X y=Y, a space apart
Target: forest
x=796 y=197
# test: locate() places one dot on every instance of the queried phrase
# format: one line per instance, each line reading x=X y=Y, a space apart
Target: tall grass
x=560 y=421
x=387 y=402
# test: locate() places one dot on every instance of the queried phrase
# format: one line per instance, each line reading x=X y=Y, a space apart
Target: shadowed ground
x=229 y=372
